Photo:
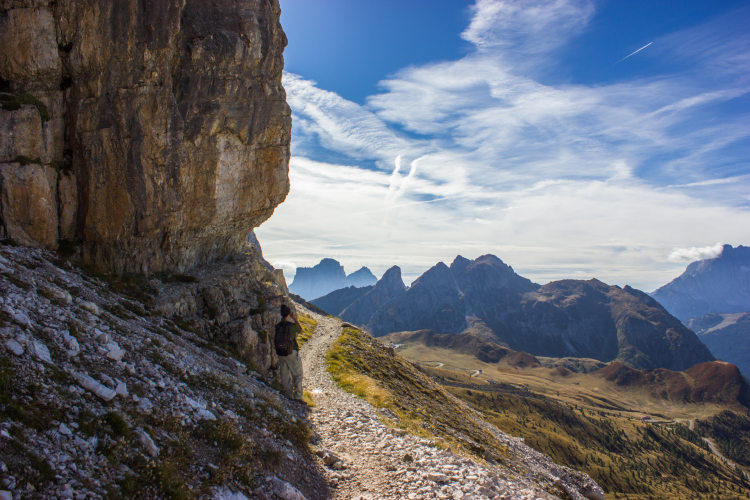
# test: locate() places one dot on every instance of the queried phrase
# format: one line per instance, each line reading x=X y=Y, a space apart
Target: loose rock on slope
x=100 y=395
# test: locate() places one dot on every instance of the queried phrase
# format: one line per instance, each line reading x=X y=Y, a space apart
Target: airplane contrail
x=634 y=52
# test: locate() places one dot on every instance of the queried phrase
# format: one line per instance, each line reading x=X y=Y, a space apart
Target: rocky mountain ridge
x=727 y=336
x=717 y=285
x=327 y=276
x=567 y=318
x=712 y=297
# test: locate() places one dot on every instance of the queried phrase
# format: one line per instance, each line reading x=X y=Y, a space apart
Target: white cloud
x=692 y=254
x=477 y=156
x=526 y=26
x=339 y=124
x=619 y=230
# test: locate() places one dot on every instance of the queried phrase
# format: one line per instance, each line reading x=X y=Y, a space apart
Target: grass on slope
x=627 y=457
x=577 y=389
x=308 y=324
x=578 y=421
x=359 y=364
x=731 y=431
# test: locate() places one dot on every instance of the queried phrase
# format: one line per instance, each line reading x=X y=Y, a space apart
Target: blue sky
x=573 y=139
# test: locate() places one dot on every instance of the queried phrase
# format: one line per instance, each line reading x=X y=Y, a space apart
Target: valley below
x=639 y=434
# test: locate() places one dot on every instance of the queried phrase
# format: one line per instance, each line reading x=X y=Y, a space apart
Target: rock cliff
x=153 y=136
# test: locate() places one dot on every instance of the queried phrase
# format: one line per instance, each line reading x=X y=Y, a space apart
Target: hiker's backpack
x=282 y=341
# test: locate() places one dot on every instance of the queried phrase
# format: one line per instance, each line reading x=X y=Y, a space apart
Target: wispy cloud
x=691 y=254
x=477 y=155
x=526 y=26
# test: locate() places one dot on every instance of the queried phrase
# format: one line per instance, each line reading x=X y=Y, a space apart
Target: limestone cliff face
x=153 y=134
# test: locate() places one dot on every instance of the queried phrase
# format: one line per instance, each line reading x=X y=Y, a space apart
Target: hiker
x=285 y=342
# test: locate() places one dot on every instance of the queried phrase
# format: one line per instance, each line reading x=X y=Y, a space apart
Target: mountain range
x=717 y=285
x=326 y=276
x=567 y=318
x=712 y=297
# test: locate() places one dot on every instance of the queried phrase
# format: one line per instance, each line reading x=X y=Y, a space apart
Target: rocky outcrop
x=718 y=285
x=234 y=304
x=155 y=135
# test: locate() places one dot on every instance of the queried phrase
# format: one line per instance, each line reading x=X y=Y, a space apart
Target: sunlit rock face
x=157 y=131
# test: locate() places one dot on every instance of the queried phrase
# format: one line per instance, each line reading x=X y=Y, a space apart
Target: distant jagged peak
x=459 y=264
x=570 y=285
x=361 y=277
x=328 y=263
x=392 y=279
x=491 y=271
x=438 y=275
x=312 y=282
x=361 y=270
x=730 y=251
x=489 y=258
x=719 y=284
x=729 y=255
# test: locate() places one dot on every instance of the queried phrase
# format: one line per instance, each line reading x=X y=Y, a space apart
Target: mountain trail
x=366 y=459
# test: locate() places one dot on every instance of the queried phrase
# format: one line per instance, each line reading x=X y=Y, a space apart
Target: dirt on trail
x=365 y=459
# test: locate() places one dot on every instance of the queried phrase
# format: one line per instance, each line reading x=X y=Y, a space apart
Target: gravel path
x=366 y=459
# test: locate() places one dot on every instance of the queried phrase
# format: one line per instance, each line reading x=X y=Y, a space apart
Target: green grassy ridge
x=362 y=366
x=627 y=457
